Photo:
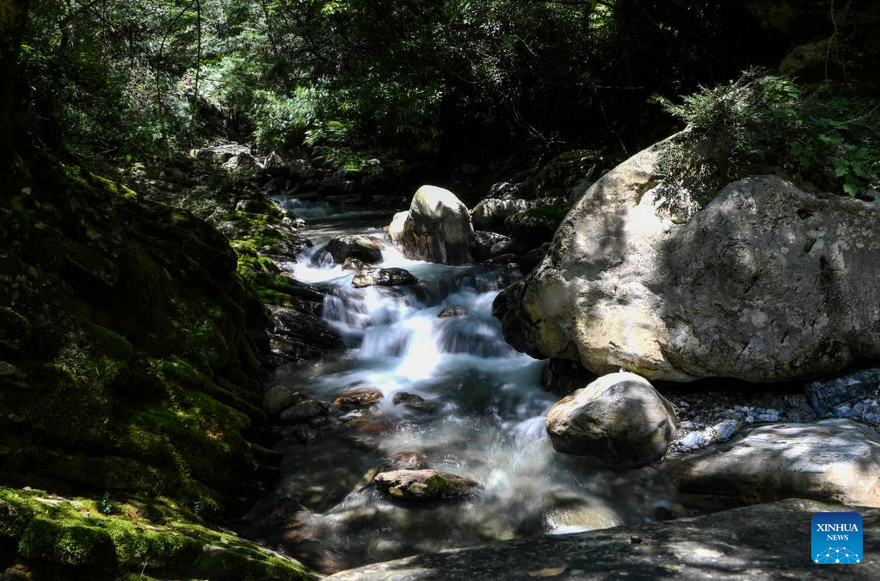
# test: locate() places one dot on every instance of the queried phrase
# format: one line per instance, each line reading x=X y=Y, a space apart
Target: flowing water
x=483 y=418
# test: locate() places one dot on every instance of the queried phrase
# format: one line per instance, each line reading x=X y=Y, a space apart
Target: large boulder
x=619 y=420
x=766 y=542
x=767 y=283
x=491 y=213
x=832 y=460
x=437 y=228
x=365 y=248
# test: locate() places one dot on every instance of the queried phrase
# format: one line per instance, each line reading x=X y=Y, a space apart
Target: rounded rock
x=618 y=420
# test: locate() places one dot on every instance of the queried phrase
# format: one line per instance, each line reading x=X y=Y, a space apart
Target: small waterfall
x=481 y=416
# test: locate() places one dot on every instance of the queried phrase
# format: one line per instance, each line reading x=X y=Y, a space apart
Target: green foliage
x=278 y=120
x=765 y=123
x=141 y=79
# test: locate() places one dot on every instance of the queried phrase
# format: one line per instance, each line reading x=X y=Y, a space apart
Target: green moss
x=438 y=487
x=73 y=532
x=66 y=542
x=141 y=372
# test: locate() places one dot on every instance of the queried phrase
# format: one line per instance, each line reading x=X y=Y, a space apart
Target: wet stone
x=424 y=485
x=454 y=311
x=412 y=401
x=358 y=397
x=302 y=412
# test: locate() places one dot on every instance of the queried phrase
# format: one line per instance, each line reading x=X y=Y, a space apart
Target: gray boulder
x=619 y=420
x=842 y=396
x=365 y=248
x=220 y=154
x=303 y=411
x=437 y=228
x=491 y=213
x=484 y=243
x=762 y=543
x=424 y=485
x=832 y=460
x=384 y=277
x=242 y=161
x=767 y=283
x=279 y=398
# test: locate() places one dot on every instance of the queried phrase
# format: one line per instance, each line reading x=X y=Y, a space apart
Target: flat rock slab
x=425 y=484
x=767 y=541
x=832 y=460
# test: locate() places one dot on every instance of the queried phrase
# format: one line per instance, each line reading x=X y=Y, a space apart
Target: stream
x=482 y=417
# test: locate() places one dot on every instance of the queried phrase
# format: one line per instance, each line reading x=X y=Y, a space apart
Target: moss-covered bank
x=46 y=536
x=129 y=366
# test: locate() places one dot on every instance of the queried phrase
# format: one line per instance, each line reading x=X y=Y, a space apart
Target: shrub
x=765 y=123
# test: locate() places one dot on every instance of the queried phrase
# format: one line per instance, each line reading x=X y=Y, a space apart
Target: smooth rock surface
x=437 y=228
x=279 y=398
x=302 y=412
x=767 y=283
x=384 y=277
x=619 y=420
x=365 y=248
x=424 y=485
x=760 y=543
x=832 y=460
x=358 y=397
x=491 y=213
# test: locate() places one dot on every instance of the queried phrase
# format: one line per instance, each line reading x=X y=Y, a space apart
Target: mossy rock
x=108 y=539
x=137 y=340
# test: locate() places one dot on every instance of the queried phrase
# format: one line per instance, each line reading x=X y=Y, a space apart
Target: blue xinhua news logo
x=836 y=538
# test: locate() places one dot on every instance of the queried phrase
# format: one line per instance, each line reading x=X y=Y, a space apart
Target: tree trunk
x=12 y=21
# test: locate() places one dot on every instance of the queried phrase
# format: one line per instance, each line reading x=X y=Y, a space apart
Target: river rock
x=424 y=485
x=358 y=397
x=299 y=336
x=384 y=277
x=832 y=460
x=356 y=265
x=767 y=283
x=412 y=401
x=491 y=213
x=279 y=398
x=454 y=311
x=365 y=248
x=437 y=228
x=484 y=242
x=303 y=411
x=220 y=154
x=242 y=161
x=766 y=542
x=619 y=420
x=841 y=395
